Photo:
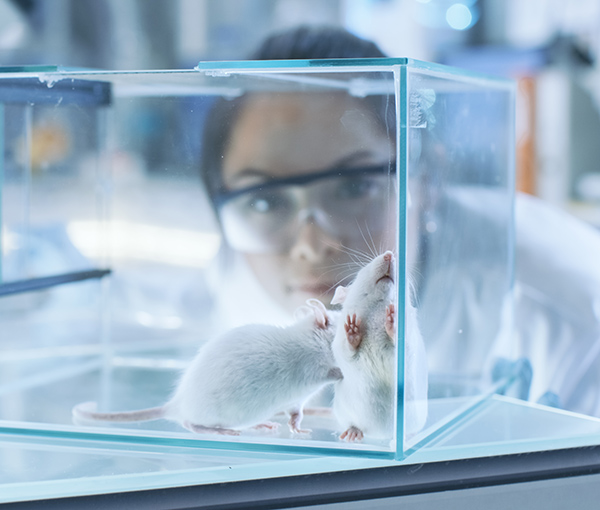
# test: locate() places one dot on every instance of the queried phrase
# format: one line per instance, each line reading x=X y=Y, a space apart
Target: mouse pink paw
x=352 y=434
x=353 y=333
x=390 y=322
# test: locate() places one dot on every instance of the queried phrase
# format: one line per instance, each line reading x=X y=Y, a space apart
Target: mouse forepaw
x=353 y=332
x=390 y=322
x=352 y=434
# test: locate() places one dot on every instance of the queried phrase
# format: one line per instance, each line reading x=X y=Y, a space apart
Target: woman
x=297 y=141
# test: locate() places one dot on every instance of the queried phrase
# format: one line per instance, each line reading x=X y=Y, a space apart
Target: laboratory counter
x=501 y=443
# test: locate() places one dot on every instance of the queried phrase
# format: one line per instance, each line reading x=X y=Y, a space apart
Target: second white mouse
x=246 y=376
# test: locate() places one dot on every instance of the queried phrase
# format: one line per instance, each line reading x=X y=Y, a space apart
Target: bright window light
x=128 y=240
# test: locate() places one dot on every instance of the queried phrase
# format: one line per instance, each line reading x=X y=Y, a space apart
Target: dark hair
x=303 y=42
x=313 y=42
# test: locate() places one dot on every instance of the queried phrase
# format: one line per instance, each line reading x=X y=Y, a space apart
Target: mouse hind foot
x=295 y=420
x=352 y=434
x=201 y=429
x=267 y=425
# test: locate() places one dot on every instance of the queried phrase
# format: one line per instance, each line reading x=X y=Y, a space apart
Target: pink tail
x=87 y=411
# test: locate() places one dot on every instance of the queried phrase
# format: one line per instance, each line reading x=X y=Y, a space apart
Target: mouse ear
x=340 y=295
x=335 y=374
x=302 y=312
x=320 y=312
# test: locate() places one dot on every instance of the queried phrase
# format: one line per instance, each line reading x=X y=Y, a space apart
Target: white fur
x=250 y=373
x=365 y=398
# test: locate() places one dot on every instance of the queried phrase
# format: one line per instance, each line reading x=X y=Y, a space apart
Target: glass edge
x=123 y=438
x=30 y=69
x=2 y=163
x=300 y=63
x=401 y=93
x=232 y=66
x=458 y=71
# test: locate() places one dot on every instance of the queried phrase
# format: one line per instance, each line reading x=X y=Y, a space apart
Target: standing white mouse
x=245 y=376
x=364 y=348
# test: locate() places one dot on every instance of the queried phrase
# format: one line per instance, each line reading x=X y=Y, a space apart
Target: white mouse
x=364 y=348
x=245 y=376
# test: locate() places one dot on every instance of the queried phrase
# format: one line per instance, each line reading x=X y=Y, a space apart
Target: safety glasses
x=346 y=203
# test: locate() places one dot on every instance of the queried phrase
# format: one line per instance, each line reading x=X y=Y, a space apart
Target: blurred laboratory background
x=550 y=47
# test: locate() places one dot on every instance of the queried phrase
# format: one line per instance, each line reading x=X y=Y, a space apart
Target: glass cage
x=281 y=255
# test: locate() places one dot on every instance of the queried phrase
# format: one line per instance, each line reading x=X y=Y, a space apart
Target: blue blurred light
x=459 y=16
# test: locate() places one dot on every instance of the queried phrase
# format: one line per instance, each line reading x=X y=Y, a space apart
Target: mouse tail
x=87 y=412
x=323 y=412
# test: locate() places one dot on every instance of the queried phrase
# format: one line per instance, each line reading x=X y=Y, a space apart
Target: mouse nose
x=388 y=260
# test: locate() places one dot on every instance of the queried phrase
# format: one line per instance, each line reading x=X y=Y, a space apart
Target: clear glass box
x=146 y=214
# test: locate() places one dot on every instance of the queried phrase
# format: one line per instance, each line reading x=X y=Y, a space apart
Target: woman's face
x=295 y=135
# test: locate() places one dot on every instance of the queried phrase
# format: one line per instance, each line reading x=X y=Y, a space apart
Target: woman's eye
x=356 y=188
x=267 y=203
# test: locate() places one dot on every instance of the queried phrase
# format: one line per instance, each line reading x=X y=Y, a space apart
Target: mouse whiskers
x=368 y=239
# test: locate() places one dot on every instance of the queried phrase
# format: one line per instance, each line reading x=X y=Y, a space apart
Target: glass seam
x=400 y=84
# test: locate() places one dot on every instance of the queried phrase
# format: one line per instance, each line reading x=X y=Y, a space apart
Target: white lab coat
x=557 y=305
x=469 y=321
x=555 y=312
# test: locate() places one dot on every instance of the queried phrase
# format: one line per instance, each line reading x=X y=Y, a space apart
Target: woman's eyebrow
x=261 y=175
x=351 y=158
x=251 y=174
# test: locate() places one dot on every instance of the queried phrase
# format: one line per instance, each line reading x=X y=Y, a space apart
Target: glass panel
x=51 y=178
x=318 y=154
x=15 y=196
x=299 y=173
x=461 y=186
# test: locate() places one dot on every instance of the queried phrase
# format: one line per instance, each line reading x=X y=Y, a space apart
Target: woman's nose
x=312 y=243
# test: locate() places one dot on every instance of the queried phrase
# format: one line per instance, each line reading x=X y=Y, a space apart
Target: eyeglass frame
x=221 y=198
